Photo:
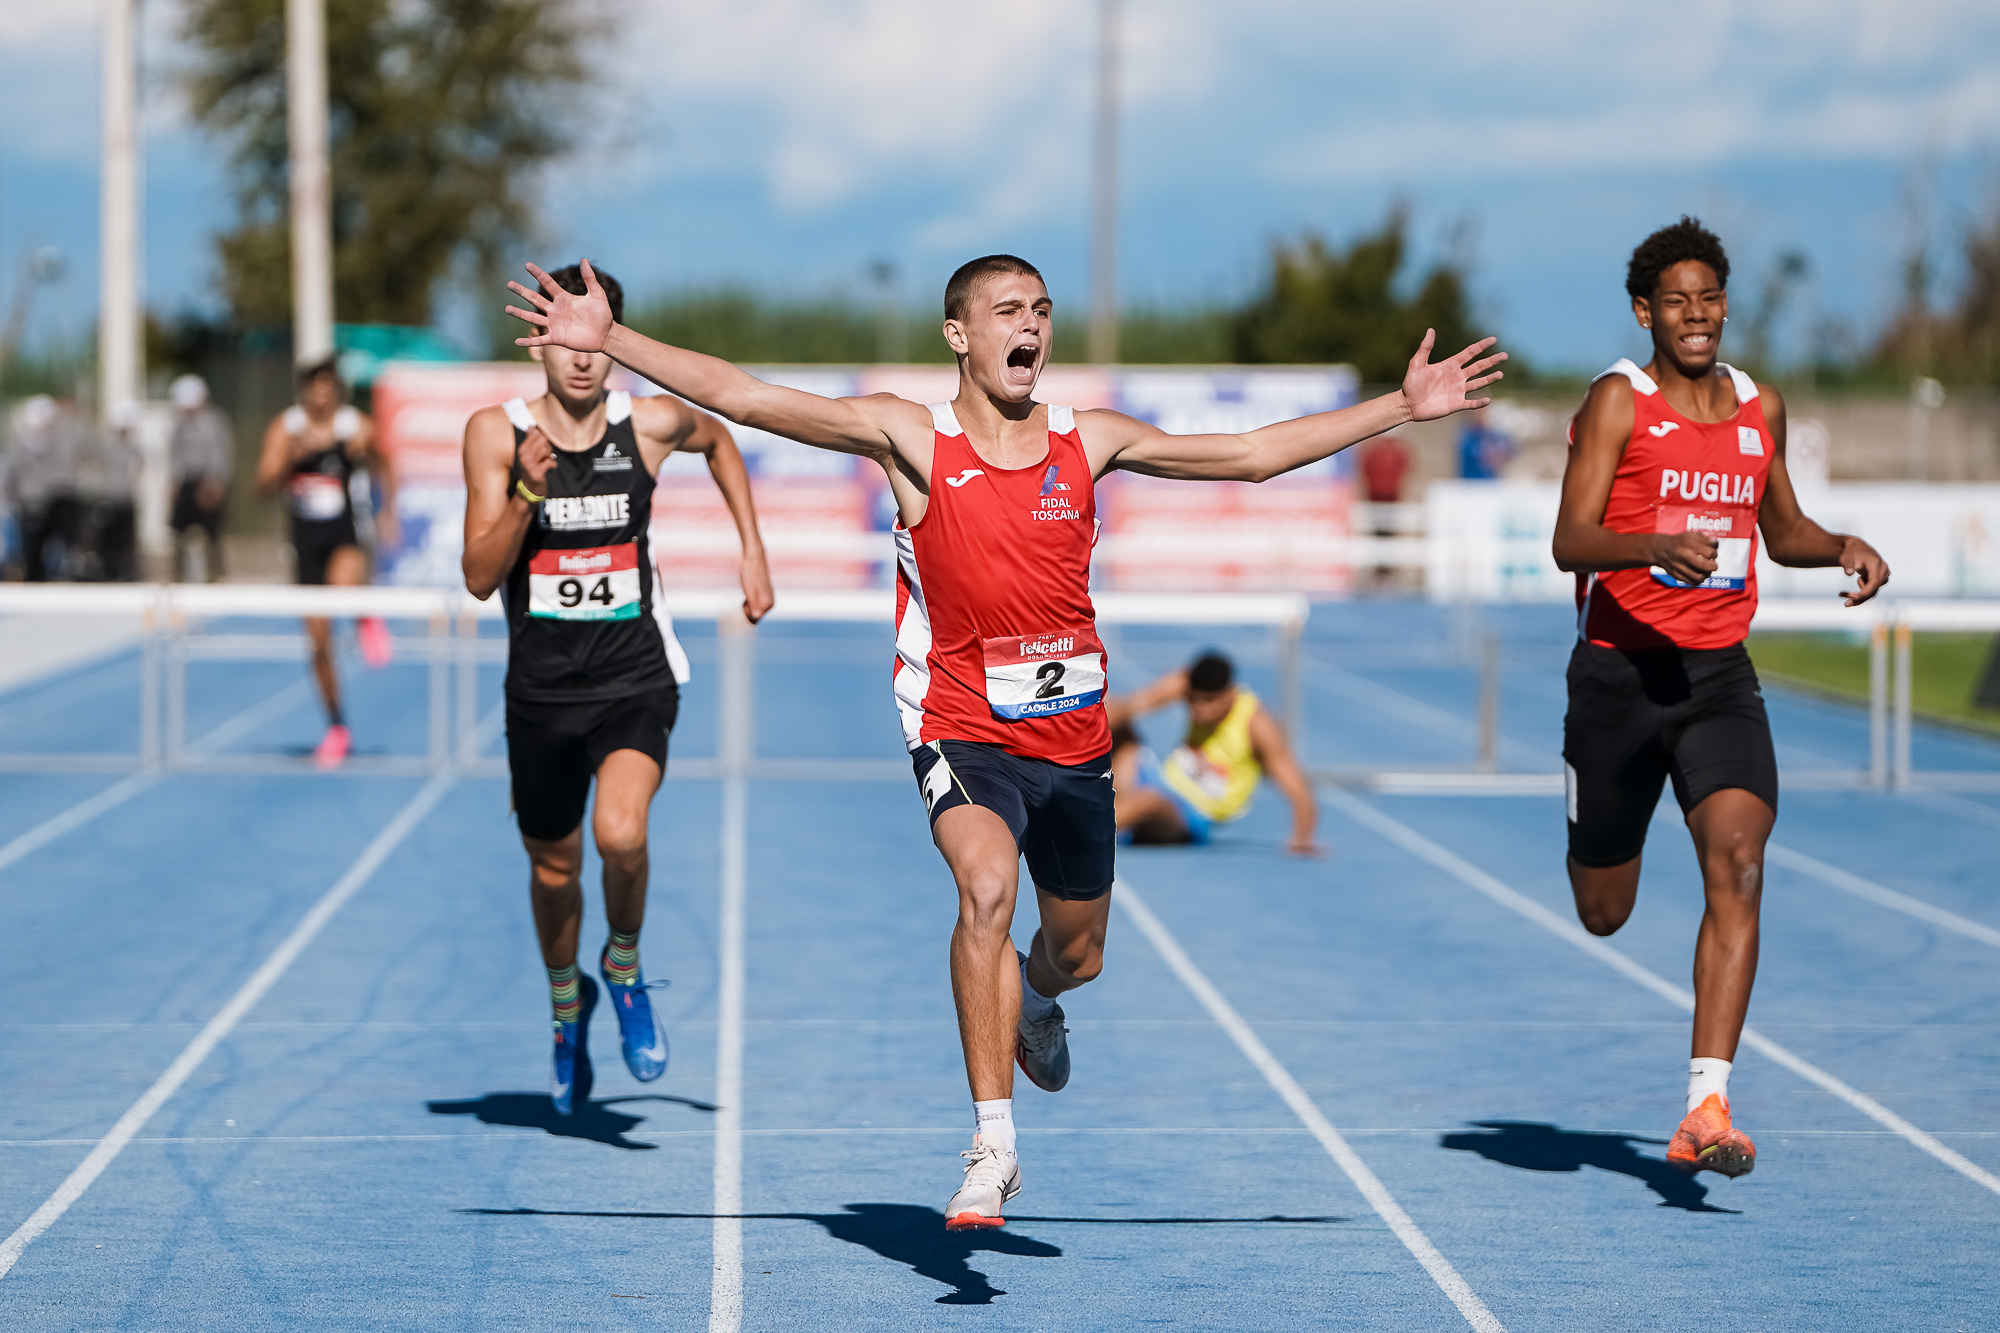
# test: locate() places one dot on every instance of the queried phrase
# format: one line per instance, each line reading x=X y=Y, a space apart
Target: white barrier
x=173 y=618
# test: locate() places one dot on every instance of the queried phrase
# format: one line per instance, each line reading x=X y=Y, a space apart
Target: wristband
x=521 y=489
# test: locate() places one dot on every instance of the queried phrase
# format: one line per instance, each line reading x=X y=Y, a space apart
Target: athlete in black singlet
x=559 y=493
x=311 y=452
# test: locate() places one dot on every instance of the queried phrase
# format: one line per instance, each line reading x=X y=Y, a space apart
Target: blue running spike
x=569 y=1086
x=639 y=1032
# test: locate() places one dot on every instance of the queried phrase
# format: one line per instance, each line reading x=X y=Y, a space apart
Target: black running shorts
x=315 y=542
x=1695 y=715
x=554 y=749
x=1061 y=815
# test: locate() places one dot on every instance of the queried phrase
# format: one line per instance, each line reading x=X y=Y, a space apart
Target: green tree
x=441 y=111
x=1325 y=305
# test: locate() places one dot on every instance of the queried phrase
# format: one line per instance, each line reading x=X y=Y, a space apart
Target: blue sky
x=785 y=144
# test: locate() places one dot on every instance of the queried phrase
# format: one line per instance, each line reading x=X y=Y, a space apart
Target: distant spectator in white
x=201 y=456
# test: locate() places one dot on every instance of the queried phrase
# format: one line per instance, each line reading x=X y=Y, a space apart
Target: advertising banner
x=826 y=516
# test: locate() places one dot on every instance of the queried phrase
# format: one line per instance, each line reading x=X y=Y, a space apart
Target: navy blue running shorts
x=1061 y=815
x=1692 y=715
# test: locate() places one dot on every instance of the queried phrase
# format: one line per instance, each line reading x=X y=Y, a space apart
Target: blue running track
x=369 y=1144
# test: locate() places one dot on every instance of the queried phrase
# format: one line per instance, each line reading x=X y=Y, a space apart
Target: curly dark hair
x=1685 y=240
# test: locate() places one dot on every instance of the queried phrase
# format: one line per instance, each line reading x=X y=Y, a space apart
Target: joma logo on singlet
x=566 y=513
x=1727 y=488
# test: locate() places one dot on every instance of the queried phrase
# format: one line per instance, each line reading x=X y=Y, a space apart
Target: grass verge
x=1945 y=671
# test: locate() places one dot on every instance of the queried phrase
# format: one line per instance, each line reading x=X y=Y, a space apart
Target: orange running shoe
x=1706 y=1141
x=333 y=747
x=377 y=650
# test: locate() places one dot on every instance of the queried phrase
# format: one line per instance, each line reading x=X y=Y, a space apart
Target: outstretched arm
x=1790 y=538
x=869 y=426
x=1430 y=390
x=1274 y=753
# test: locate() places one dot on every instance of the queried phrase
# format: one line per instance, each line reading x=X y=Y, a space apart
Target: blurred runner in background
x=311 y=451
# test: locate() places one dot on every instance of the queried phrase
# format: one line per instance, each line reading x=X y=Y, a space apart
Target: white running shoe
x=992 y=1177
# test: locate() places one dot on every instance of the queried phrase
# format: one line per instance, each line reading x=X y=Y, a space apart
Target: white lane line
x=219 y=1027
x=1287 y=1087
x=725 y=1293
x=1473 y=877
x=124 y=790
x=253 y=717
x=75 y=817
x=1881 y=895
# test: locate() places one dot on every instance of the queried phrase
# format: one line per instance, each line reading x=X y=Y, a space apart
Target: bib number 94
x=594 y=583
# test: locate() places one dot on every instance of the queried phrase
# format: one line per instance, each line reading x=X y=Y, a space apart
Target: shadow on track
x=907 y=1234
x=1538 y=1147
x=533 y=1110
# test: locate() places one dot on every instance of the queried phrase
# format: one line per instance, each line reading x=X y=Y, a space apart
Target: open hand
x=1437 y=389
x=560 y=318
x=1859 y=558
x=1689 y=557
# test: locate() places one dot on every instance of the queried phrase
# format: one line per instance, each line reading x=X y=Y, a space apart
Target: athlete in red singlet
x=1673 y=469
x=999 y=671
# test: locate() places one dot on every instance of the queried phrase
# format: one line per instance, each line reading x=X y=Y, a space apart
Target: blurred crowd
x=69 y=489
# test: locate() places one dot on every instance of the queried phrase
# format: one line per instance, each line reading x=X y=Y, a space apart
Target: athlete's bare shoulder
x=662 y=418
x=897 y=417
x=489 y=436
x=1607 y=413
x=1106 y=432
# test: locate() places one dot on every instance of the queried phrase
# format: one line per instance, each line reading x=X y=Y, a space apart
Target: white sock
x=1706 y=1075
x=1035 y=1006
x=993 y=1122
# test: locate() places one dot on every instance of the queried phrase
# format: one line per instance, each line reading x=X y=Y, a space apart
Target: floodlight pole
x=119 y=348
x=1104 y=193
x=312 y=195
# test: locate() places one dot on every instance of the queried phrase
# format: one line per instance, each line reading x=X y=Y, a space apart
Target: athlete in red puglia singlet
x=1673 y=470
x=999 y=672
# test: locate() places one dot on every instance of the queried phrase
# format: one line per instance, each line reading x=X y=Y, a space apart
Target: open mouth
x=1023 y=357
x=1697 y=342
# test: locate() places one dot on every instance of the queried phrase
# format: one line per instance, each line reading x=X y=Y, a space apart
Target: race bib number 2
x=1039 y=675
x=1731 y=529
x=594 y=583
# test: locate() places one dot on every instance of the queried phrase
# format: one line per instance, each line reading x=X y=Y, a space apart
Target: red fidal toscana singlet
x=1681 y=475
x=996 y=638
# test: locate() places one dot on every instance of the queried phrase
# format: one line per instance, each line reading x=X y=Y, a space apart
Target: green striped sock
x=564 y=994
x=621 y=958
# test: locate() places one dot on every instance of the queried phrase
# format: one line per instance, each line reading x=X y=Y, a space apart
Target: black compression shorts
x=1636 y=719
x=1061 y=815
x=554 y=749
x=315 y=542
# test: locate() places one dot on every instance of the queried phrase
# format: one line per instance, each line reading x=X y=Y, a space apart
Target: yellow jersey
x=1220 y=775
